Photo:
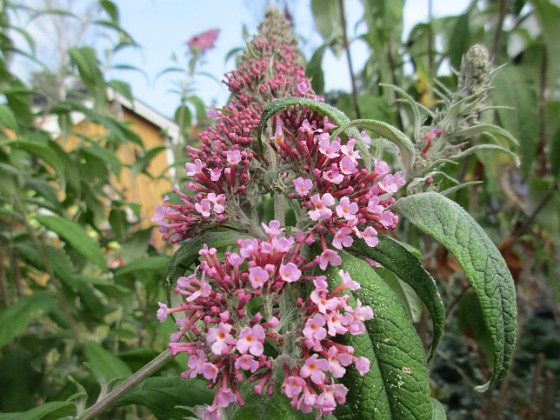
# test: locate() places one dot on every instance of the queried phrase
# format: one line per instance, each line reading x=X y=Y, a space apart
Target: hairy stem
x=103 y=404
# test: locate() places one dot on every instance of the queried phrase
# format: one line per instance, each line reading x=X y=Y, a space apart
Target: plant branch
x=101 y=405
x=499 y=25
x=349 y=59
x=523 y=228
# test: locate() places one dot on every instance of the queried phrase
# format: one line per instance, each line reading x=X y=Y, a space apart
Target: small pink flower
x=203 y=41
x=204 y=207
x=365 y=138
x=330 y=150
x=362 y=365
x=194 y=168
x=337 y=361
x=348 y=150
x=302 y=87
x=273 y=228
x=251 y=340
x=248 y=247
x=370 y=236
x=278 y=136
x=212 y=113
x=347 y=165
x=282 y=244
x=196 y=362
x=247 y=362
x=162 y=312
x=374 y=206
x=314 y=368
x=333 y=176
x=314 y=328
x=218 y=201
x=342 y=238
x=335 y=321
x=225 y=396
x=347 y=209
x=320 y=283
x=381 y=167
x=221 y=338
x=323 y=304
x=235 y=259
x=215 y=174
x=258 y=277
x=322 y=204
x=347 y=280
x=292 y=386
x=233 y=157
x=209 y=371
x=329 y=257
x=302 y=185
x=289 y=272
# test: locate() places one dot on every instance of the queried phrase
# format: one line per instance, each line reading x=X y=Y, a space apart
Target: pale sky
x=162 y=27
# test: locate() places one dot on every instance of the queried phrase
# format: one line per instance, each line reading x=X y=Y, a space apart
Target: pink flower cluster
x=266 y=310
x=342 y=198
x=223 y=165
x=204 y=41
x=231 y=308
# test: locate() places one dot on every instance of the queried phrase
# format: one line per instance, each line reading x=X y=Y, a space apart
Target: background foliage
x=73 y=321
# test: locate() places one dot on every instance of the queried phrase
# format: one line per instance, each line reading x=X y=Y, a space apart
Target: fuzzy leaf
x=485 y=268
x=396 y=387
x=438 y=410
x=397 y=259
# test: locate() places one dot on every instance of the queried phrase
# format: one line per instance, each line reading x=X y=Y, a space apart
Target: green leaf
x=155 y=263
x=106 y=155
x=314 y=70
x=111 y=9
x=122 y=88
x=47 y=411
x=523 y=120
x=394 y=257
x=105 y=362
x=15 y=319
x=76 y=237
x=485 y=268
x=397 y=386
x=45 y=153
x=438 y=412
x=8 y=119
x=164 y=396
x=409 y=299
x=326 y=16
x=187 y=254
x=142 y=163
x=393 y=134
x=86 y=61
x=322 y=108
x=460 y=40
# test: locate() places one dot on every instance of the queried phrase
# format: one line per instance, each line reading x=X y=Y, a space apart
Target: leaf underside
x=483 y=264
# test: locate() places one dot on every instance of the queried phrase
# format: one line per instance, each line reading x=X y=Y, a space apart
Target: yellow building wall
x=143 y=190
